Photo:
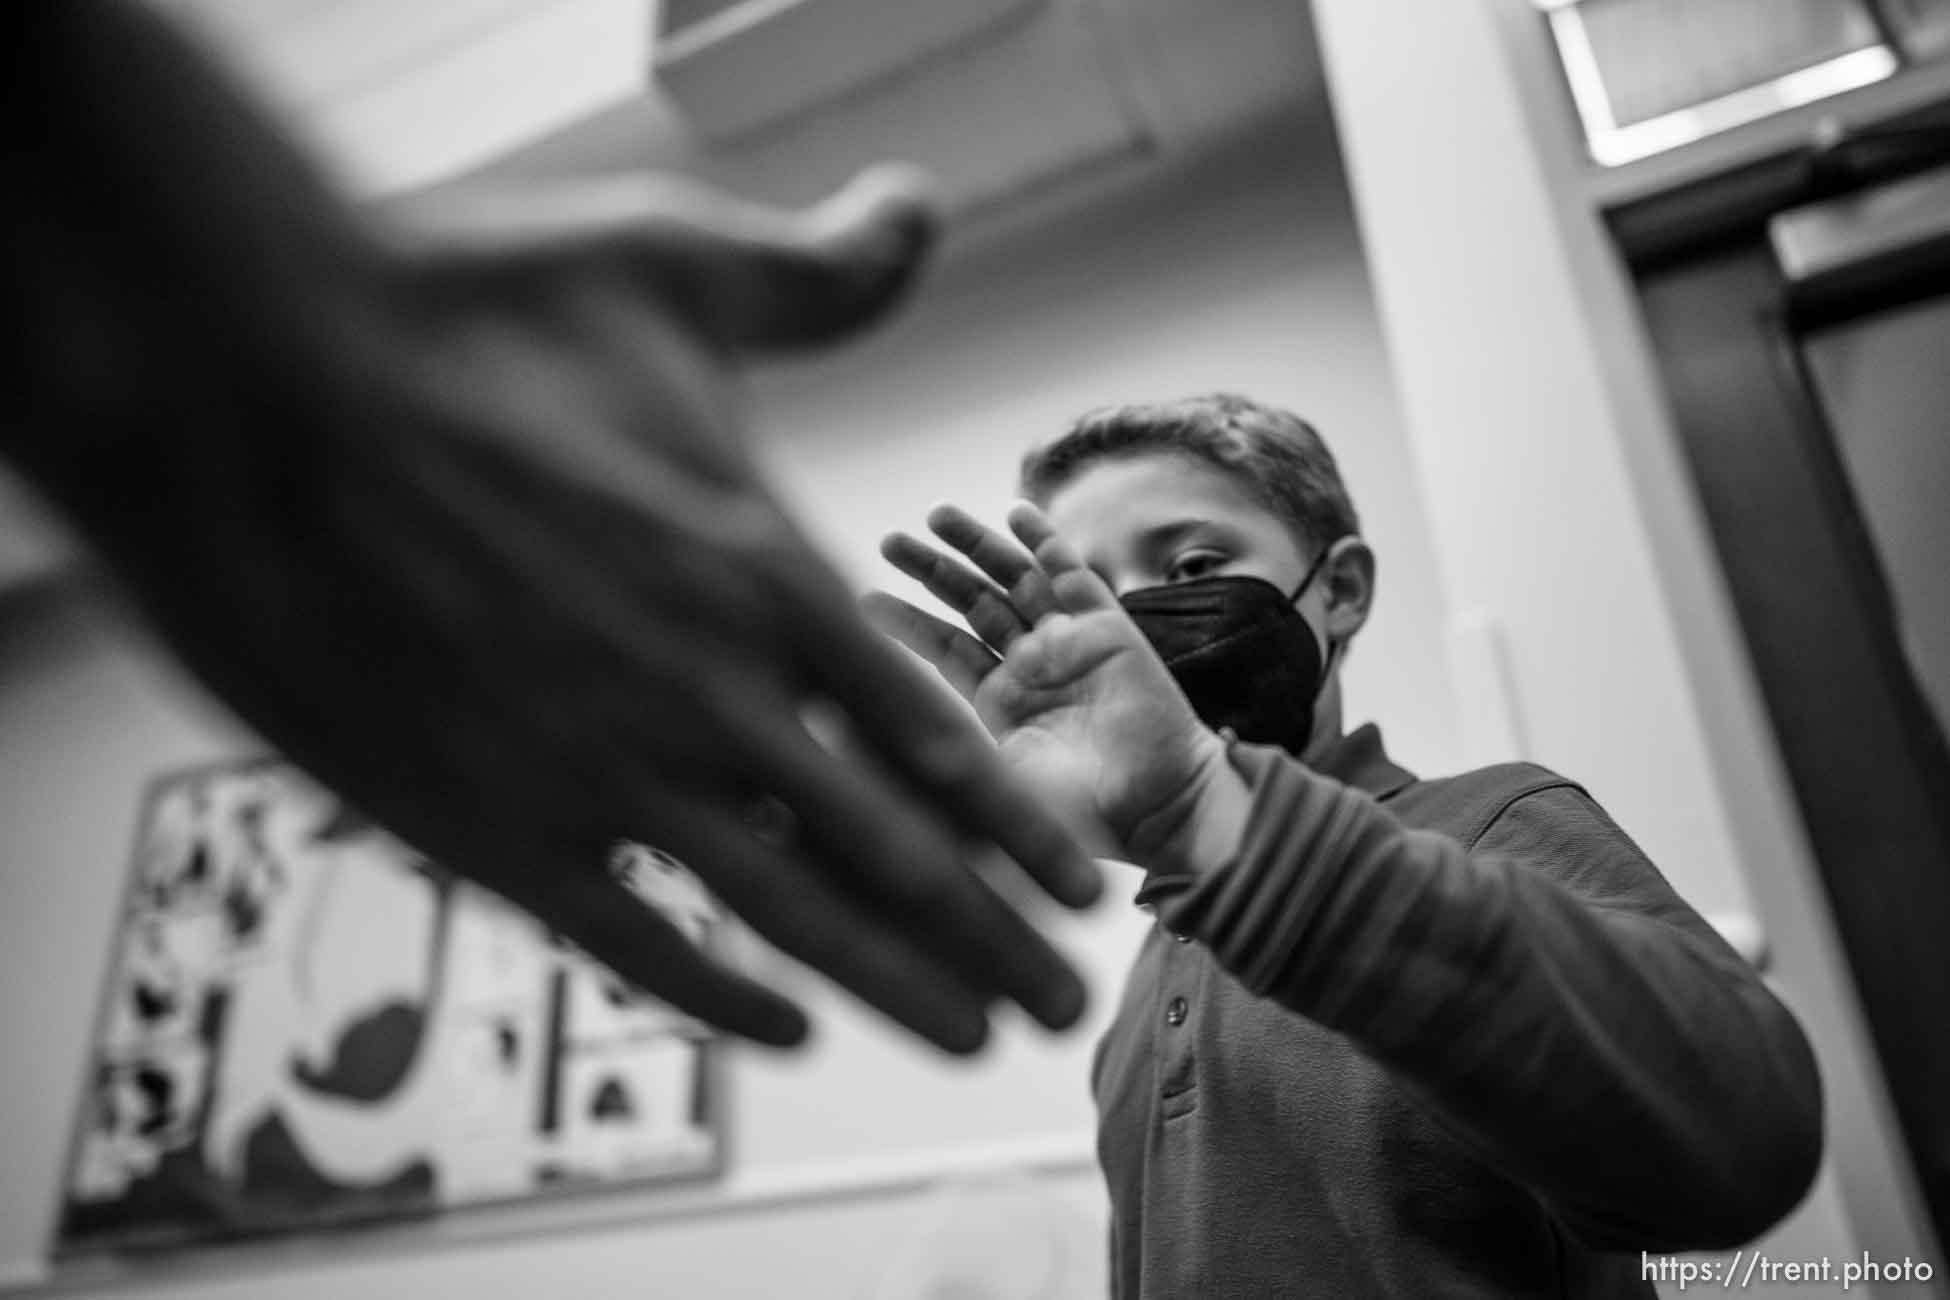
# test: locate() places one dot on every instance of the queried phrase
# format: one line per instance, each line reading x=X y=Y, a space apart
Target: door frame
x=1865 y=756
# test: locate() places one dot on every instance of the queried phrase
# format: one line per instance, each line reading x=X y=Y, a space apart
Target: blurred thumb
x=864 y=247
x=757 y=278
x=744 y=275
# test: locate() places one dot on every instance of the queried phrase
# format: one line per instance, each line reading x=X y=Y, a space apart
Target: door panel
x=1884 y=383
x=1817 y=459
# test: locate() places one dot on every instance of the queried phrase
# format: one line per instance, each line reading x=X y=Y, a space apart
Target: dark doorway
x=1800 y=312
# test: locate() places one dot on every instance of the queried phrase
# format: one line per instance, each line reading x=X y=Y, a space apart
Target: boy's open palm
x=1080 y=704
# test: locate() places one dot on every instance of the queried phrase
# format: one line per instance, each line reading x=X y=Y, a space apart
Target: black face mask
x=1240 y=651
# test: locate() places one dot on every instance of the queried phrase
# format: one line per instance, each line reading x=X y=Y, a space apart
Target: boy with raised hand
x=1389 y=1037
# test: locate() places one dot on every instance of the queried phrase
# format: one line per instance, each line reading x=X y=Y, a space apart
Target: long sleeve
x=1540 y=989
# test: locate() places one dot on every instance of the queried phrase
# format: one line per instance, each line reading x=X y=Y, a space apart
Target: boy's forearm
x=1633 y=1075
x=1200 y=831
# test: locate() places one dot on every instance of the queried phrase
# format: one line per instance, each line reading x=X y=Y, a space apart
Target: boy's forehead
x=1116 y=502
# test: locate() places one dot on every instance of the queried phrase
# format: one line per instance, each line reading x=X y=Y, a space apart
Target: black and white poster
x=309 y=1025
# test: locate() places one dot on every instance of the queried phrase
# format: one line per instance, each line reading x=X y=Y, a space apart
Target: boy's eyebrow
x=1159 y=536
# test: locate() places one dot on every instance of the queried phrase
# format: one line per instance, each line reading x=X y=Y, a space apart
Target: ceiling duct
x=734 y=69
x=782 y=99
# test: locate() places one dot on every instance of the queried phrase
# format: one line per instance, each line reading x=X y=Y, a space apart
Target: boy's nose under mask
x=1240 y=651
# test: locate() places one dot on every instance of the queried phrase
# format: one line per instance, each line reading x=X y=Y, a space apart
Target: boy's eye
x=1193 y=564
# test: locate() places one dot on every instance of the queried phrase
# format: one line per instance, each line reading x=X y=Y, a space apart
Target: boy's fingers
x=988 y=610
x=1076 y=588
x=1009 y=565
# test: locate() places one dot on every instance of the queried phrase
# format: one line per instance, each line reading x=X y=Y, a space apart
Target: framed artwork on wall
x=308 y=1025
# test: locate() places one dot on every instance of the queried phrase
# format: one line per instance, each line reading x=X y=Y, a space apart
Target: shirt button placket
x=1183 y=971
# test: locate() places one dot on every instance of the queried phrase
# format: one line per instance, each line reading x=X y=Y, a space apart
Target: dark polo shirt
x=1449 y=1038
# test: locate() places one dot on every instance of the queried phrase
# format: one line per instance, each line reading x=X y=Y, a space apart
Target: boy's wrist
x=1200 y=829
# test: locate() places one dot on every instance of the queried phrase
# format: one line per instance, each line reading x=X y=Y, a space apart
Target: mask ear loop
x=1327 y=667
x=1320 y=561
x=1333 y=647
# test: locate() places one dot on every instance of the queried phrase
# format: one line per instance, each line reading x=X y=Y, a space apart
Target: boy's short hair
x=1275 y=455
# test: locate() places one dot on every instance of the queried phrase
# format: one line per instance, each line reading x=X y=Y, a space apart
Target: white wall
x=1241 y=271
x=394 y=95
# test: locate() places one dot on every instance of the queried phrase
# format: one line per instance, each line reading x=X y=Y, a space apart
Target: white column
x=1561 y=514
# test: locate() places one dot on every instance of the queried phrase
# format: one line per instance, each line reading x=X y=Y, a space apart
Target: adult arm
x=460 y=521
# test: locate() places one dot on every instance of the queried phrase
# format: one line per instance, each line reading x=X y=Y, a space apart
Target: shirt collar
x=1358 y=759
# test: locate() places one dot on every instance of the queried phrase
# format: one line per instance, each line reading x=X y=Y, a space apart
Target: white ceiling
x=1061 y=91
x=399 y=94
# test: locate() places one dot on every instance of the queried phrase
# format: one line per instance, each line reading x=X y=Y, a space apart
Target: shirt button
x=1181 y=938
x=1176 y=1011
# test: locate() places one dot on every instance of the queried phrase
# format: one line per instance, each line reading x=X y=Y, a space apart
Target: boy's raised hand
x=1079 y=702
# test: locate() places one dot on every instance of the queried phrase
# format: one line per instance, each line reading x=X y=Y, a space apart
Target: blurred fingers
x=868 y=831
x=928 y=742
x=746 y=275
x=962 y=660
x=614 y=927
x=797 y=902
x=754 y=277
x=849 y=261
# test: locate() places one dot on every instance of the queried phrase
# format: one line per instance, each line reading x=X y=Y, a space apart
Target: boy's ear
x=1349 y=578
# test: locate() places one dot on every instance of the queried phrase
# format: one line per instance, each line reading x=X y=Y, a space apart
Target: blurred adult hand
x=454 y=511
